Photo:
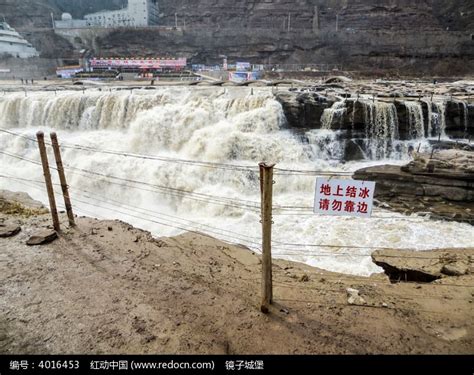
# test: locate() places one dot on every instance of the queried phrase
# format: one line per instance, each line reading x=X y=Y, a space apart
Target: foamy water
x=216 y=125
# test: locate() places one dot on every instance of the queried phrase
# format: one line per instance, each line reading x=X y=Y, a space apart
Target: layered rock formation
x=305 y=110
x=355 y=34
x=374 y=119
x=440 y=185
x=321 y=14
x=27 y=13
x=433 y=37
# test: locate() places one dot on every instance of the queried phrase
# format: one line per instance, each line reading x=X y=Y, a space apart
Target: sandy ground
x=108 y=288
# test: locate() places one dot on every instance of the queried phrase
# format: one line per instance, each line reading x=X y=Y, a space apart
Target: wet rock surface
x=457 y=164
x=439 y=185
x=422 y=110
x=303 y=110
x=383 y=119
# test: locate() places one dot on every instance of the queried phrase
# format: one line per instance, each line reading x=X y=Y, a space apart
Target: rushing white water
x=325 y=144
x=439 y=118
x=381 y=128
x=216 y=126
x=429 y=105
x=415 y=119
x=332 y=115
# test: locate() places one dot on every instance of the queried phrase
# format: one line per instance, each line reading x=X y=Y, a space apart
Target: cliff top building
x=138 y=13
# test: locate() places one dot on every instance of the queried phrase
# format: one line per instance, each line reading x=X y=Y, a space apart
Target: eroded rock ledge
x=425 y=266
x=439 y=184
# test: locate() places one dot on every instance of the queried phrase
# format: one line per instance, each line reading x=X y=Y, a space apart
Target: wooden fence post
x=62 y=179
x=47 y=180
x=266 y=191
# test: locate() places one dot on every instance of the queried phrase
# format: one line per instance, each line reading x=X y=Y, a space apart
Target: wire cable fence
x=286 y=249
x=342 y=291
x=207 y=164
x=234 y=237
x=369 y=295
x=172 y=221
x=180 y=223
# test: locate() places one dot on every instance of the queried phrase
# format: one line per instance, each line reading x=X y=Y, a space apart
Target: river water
x=220 y=126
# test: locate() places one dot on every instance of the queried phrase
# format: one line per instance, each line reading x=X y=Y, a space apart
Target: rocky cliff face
x=438 y=184
x=321 y=14
x=429 y=36
x=27 y=13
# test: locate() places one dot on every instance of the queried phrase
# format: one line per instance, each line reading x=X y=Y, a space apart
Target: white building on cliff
x=138 y=13
x=13 y=44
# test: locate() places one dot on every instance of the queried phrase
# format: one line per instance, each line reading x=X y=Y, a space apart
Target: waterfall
x=439 y=118
x=334 y=114
x=381 y=128
x=415 y=119
x=74 y=110
x=201 y=123
x=464 y=115
x=429 y=105
x=325 y=144
x=353 y=113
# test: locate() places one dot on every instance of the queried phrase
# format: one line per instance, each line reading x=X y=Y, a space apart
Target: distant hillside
x=362 y=14
x=37 y=13
x=358 y=14
x=27 y=13
x=455 y=14
x=426 y=36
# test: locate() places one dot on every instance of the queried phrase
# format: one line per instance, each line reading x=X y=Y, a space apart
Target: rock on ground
x=9 y=230
x=42 y=238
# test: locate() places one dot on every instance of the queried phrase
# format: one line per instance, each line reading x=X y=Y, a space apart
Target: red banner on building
x=138 y=63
